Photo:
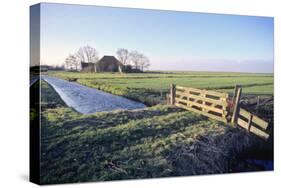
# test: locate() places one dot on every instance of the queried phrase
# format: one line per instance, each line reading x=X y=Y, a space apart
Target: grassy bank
x=151 y=88
x=158 y=141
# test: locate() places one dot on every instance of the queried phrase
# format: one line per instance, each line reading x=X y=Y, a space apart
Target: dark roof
x=109 y=60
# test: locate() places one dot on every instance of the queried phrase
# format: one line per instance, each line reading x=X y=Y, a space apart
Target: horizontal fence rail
x=215 y=105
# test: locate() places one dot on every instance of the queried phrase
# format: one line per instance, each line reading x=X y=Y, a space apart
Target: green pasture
x=151 y=88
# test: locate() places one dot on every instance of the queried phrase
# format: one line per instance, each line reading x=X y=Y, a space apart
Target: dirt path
x=89 y=100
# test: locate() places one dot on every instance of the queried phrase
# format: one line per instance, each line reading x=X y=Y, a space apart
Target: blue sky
x=172 y=40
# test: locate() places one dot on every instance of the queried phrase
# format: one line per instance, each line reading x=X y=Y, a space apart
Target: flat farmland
x=153 y=142
x=151 y=88
x=157 y=141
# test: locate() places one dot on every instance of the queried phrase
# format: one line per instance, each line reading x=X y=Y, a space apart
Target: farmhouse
x=105 y=64
x=109 y=64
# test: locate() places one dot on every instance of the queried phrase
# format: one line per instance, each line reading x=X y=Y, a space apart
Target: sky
x=172 y=40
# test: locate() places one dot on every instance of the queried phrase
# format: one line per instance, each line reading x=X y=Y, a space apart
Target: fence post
x=258 y=105
x=203 y=94
x=172 y=94
x=249 y=122
x=236 y=100
x=168 y=98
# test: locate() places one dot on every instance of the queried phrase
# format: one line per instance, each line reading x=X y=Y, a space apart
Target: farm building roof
x=109 y=60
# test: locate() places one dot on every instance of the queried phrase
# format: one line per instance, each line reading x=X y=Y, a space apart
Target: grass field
x=158 y=141
x=151 y=88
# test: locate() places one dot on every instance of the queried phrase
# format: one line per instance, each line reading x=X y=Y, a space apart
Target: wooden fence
x=218 y=106
x=252 y=123
x=209 y=103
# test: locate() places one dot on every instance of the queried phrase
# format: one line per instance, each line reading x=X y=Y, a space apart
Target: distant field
x=151 y=88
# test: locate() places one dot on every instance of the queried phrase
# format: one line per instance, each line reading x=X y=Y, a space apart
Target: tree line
x=134 y=58
x=88 y=54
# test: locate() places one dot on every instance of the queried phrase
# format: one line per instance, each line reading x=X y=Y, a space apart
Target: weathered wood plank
x=203 y=102
x=207 y=108
x=203 y=113
x=238 y=92
x=259 y=132
x=214 y=101
x=168 y=99
x=244 y=113
x=217 y=94
x=242 y=123
x=172 y=93
x=250 y=122
x=181 y=88
x=204 y=96
x=208 y=92
x=260 y=122
x=195 y=90
x=181 y=100
x=252 y=129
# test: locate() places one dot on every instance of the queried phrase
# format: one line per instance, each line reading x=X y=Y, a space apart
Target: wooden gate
x=209 y=103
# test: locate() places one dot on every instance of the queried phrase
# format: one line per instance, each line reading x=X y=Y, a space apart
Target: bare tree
x=123 y=55
x=87 y=54
x=68 y=63
x=135 y=59
x=71 y=62
x=144 y=62
x=139 y=61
